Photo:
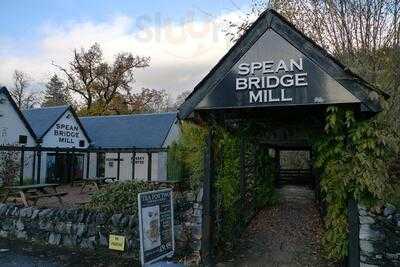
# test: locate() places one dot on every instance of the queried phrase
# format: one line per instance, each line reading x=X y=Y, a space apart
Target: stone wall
x=379 y=236
x=73 y=228
x=79 y=228
x=188 y=226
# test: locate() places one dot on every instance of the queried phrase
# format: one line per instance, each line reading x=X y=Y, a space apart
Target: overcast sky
x=184 y=38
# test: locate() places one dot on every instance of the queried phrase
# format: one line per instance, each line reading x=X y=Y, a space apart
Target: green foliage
x=236 y=208
x=118 y=198
x=185 y=158
x=352 y=157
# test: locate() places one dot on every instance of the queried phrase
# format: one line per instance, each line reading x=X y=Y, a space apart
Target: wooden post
x=278 y=167
x=33 y=166
x=21 y=168
x=208 y=242
x=353 y=258
x=39 y=166
x=133 y=165
x=71 y=177
x=87 y=164
x=118 y=164
x=149 y=158
x=242 y=173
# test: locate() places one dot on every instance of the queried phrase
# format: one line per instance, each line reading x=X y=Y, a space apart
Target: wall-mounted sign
x=274 y=73
x=156 y=225
x=66 y=133
x=268 y=86
x=116 y=242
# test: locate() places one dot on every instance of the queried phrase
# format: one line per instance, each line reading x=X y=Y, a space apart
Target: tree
x=181 y=98
x=24 y=98
x=98 y=82
x=56 y=94
x=148 y=100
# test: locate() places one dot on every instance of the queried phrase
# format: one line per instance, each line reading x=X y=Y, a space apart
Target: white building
x=103 y=146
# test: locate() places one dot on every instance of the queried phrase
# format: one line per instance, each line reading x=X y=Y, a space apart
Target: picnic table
x=33 y=193
x=97 y=182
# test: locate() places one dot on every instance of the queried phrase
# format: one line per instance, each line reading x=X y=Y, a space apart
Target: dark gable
x=273 y=64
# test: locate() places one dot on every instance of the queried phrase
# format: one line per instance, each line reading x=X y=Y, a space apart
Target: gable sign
x=66 y=132
x=274 y=73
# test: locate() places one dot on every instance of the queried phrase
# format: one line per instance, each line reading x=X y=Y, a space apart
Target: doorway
x=64 y=168
x=295 y=168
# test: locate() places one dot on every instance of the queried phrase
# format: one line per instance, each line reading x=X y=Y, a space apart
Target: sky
x=184 y=38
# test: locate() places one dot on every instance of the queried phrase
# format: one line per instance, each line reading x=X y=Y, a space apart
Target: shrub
x=119 y=197
x=352 y=158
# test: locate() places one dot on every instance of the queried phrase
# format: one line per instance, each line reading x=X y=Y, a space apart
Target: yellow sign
x=116 y=242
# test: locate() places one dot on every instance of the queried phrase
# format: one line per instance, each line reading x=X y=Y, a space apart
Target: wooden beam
x=21 y=168
x=39 y=166
x=87 y=164
x=208 y=226
x=133 y=165
x=118 y=165
x=149 y=165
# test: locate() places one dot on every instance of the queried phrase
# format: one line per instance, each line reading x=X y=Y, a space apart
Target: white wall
x=65 y=133
x=11 y=127
x=141 y=164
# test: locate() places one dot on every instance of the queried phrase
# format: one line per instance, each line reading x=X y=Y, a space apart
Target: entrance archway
x=281 y=80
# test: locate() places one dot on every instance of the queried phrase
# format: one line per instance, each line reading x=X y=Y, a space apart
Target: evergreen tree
x=56 y=93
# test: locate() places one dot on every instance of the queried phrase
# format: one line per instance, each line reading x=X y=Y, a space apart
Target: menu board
x=156 y=225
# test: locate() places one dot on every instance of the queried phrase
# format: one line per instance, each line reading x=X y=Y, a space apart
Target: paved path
x=285 y=235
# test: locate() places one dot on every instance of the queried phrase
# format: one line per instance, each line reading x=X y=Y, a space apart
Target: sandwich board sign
x=156 y=225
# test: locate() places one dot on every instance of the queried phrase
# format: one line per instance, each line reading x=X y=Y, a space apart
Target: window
x=82 y=143
x=23 y=139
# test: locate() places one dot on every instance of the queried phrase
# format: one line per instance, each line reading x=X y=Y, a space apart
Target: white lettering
x=281 y=66
x=244 y=69
x=284 y=98
x=255 y=97
x=287 y=80
x=241 y=84
x=254 y=81
x=298 y=66
x=300 y=79
x=255 y=66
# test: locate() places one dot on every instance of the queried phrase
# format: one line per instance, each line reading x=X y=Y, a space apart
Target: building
x=73 y=147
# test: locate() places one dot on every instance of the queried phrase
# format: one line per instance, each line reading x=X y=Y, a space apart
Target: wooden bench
x=35 y=198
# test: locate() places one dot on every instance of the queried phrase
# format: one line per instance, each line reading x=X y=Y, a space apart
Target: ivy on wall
x=353 y=160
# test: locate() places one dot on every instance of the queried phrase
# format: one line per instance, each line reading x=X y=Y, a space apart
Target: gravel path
x=285 y=235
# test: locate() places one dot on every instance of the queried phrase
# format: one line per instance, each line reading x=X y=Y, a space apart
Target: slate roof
x=128 y=131
x=41 y=119
x=270 y=19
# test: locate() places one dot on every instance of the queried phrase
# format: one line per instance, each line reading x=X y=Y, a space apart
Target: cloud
x=181 y=54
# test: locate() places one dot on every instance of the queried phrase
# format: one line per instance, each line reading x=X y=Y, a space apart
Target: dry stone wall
x=379 y=237
x=84 y=229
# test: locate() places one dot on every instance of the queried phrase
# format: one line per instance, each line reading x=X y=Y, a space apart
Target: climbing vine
x=352 y=158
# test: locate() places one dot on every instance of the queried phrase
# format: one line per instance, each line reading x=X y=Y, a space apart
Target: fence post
x=39 y=166
x=207 y=242
x=34 y=166
x=87 y=164
x=353 y=258
x=21 y=168
x=133 y=164
x=118 y=164
x=149 y=158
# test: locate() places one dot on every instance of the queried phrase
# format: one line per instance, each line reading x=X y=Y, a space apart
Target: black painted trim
x=270 y=19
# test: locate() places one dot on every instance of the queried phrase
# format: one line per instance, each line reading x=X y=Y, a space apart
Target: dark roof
x=127 y=131
x=270 y=19
x=41 y=119
x=4 y=91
